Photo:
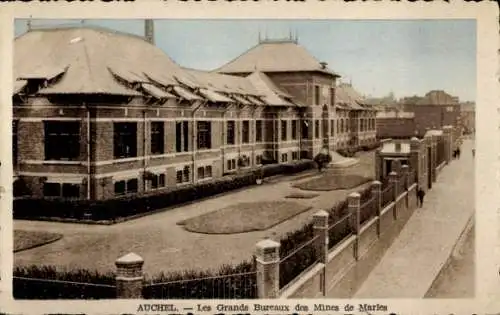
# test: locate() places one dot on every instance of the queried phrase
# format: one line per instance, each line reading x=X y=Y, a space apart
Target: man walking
x=420 y=196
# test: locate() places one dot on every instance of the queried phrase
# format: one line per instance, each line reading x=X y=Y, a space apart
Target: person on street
x=420 y=196
x=473 y=152
x=458 y=153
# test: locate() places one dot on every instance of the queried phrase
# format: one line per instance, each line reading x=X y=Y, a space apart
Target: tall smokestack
x=150 y=31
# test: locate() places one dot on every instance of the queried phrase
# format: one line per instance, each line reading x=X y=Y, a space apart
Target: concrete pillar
x=376 y=188
x=268 y=275
x=354 y=203
x=405 y=170
x=394 y=180
x=129 y=276
x=320 y=226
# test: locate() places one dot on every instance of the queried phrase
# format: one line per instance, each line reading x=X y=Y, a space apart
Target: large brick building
x=98 y=113
x=416 y=115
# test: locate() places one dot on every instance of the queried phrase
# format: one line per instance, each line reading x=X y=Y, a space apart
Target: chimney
x=149 y=31
x=323 y=64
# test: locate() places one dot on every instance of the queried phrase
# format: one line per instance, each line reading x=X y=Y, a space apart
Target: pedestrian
x=458 y=154
x=420 y=196
x=473 y=152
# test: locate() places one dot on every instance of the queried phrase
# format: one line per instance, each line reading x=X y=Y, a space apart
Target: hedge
x=130 y=205
x=46 y=283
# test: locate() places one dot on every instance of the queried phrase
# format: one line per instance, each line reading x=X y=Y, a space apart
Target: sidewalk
x=416 y=257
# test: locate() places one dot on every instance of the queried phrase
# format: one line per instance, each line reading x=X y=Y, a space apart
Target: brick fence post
x=268 y=273
x=354 y=200
x=377 y=195
x=394 y=180
x=320 y=226
x=129 y=276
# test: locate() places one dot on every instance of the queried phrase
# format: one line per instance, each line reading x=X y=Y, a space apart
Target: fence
x=50 y=289
x=277 y=266
x=233 y=286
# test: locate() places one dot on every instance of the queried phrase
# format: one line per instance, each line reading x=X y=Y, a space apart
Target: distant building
x=468 y=116
x=419 y=114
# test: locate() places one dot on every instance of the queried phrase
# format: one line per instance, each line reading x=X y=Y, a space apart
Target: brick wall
x=395 y=128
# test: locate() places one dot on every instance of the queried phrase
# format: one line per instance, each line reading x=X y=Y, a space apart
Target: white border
x=487 y=280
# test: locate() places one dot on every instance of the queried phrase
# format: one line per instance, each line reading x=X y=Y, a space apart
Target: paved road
x=456 y=280
x=413 y=261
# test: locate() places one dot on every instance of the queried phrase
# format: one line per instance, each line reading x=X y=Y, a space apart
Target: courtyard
x=166 y=245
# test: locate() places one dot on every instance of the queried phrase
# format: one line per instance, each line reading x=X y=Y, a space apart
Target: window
x=332 y=96
x=295 y=129
x=62 y=140
x=284 y=157
x=204 y=135
x=183 y=175
x=342 y=126
x=126 y=186
x=245 y=131
x=316 y=129
x=204 y=172
x=295 y=155
x=64 y=190
x=158 y=181
x=316 y=95
x=338 y=126
x=305 y=130
x=231 y=164
x=181 y=136
x=283 y=130
x=14 y=142
x=52 y=190
x=258 y=131
x=258 y=159
x=332 y=128
x=125 y=140
x=230 y=132
x=157 y=137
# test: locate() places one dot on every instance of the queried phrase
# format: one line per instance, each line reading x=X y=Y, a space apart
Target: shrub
x=322 y=160
x=235 y=282
x=140 y=203
x=37 y=282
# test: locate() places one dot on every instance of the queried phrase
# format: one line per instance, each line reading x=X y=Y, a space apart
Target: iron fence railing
x=232 y=286
x=51 y=289
x=388 y=195
x=339 y=230
x=295 y=262
x=368 y=210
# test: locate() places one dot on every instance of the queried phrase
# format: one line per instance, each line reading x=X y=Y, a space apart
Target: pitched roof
x=271 y=93
x=437 y=97
x=275 y=56
x=347 y=96
x=92 y=60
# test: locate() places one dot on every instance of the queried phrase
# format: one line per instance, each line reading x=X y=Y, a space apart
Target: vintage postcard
x=182 y=158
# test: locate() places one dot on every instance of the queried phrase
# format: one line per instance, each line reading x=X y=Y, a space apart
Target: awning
x=256 y=100
x=185 y=94
x=126 y=75
x=240 y=99
x=215 y=97
x=19 y=85
x=43 y=73
x=156 y=92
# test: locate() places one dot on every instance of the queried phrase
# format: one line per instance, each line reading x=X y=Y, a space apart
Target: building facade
x=88 y=124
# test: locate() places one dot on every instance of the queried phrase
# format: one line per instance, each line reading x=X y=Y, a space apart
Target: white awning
x=156 y=92
x=240 y=99
x=215 y=97
x=19 y=85
x=43 y=73
x=185 y=94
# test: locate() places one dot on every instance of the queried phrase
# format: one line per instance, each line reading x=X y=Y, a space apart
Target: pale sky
x=406 y=57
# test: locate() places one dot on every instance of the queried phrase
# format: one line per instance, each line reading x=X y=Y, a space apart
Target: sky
x=405 y=57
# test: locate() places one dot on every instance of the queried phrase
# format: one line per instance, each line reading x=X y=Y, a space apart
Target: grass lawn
x=330 y=181
x=301 y=195
x=244 y=217
x=24 y=240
